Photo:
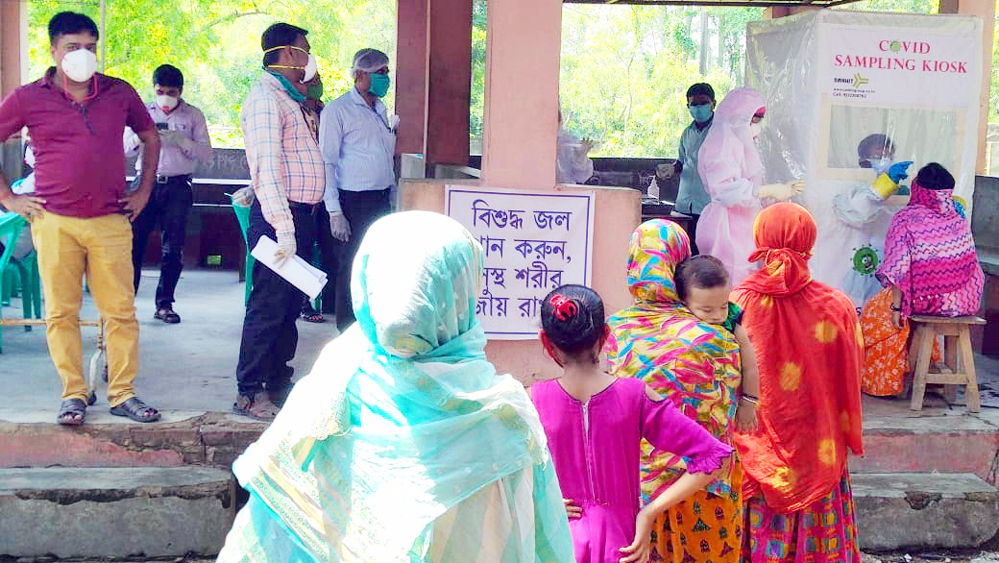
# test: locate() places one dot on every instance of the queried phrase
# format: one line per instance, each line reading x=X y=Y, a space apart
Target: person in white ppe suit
x=572 y=162
x=851 y=238
x=357 y=139
x=732 y=173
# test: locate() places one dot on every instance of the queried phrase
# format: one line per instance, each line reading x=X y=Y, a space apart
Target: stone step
x=71 y=512
x=924 y=510
x=32 y=439
x=928 y=441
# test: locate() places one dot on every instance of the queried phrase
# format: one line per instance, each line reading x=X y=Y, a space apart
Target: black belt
x=306 y=206
x=165 y=179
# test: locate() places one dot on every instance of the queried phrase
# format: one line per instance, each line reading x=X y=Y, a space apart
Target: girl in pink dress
x=595 y=423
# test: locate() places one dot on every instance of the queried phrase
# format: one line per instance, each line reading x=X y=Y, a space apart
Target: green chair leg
x=250 y=261
x=36 y=284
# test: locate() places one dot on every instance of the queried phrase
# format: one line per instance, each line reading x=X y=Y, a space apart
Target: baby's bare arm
x=750 y=369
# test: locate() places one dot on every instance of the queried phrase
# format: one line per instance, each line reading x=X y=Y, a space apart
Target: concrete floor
x=189 y=366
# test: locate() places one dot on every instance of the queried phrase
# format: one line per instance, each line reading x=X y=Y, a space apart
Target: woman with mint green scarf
x=403 y=444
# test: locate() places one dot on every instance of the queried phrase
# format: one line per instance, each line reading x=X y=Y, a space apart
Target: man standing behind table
x=691 y=197
x=184 y=138
x=357 y=137
x=287 y=177
x=80 y=210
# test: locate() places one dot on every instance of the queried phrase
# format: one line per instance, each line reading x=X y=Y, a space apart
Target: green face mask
x=315 y=92
x=379 y=85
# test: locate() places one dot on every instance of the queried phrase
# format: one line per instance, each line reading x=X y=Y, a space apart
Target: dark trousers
x=693 y=235
x=329 y=258
x=361 y=210
x=270 y=336
x=167 y=211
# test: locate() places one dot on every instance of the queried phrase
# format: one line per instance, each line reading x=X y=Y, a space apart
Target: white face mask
x=166 y=103
x=880 y=165
x=310 y=69
x=79 y=65
x=755 y=129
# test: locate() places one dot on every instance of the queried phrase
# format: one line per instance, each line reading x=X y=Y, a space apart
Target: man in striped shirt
x=288 y=179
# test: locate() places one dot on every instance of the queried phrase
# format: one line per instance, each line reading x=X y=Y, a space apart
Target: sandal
x=258 y=406
x=136 y=410
x=312 y=316
x=167 y=315
x=72 y=412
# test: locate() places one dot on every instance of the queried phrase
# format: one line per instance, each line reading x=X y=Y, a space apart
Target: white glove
x=286 y=247
x=339 y=226
x=168 y=136
x=781 y=192
x=176 y=138
x=244 y=197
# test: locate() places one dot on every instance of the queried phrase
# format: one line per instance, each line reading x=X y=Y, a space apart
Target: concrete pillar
x=519 y=148
x=434 y=69
x=521 y=98
x=13 y=73
x=450 y=78
x=13 y=45
x=411 y=76
x=986 y=10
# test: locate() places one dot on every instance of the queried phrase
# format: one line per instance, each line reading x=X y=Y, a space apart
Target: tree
x=217 y=44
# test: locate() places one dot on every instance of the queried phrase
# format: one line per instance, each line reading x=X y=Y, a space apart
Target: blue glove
x=899 y=171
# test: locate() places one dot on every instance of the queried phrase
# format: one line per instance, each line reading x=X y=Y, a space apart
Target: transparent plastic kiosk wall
x=833 y=78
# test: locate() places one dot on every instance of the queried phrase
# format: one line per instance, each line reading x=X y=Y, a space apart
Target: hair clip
x=565 y=308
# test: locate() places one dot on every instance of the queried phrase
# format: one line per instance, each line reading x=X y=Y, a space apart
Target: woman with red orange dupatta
x=799 y=507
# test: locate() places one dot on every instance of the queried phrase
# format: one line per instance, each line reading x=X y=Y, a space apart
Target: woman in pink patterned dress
x=930 y=268
x=595 y=423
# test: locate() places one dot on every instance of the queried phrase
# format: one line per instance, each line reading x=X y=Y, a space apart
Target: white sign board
x=533 y=242
x=900 y=66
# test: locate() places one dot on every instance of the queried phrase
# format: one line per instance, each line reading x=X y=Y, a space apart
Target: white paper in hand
x=298 y=272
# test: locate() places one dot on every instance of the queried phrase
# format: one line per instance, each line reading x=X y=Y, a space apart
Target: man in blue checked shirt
x=357 y=139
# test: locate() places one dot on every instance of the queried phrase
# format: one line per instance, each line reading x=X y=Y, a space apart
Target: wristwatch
x=895 y=307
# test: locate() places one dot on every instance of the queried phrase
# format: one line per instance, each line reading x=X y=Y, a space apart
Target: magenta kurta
x=596 y=448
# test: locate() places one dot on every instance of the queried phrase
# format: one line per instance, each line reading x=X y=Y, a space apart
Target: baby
x=703 y=285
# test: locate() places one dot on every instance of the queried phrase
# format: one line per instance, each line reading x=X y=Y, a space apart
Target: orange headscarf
x=810 y=351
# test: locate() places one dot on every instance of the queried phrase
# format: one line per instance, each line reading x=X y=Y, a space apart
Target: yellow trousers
x=101 y=247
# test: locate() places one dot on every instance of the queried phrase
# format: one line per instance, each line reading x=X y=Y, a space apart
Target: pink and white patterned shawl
x=930 y=256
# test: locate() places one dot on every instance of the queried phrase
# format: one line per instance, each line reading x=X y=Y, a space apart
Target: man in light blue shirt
x=691 y=197
x=357 y=139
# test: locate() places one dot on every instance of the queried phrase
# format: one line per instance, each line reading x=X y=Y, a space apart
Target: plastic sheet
x=908 y=84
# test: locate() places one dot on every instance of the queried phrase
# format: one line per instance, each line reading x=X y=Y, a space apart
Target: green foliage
x=217 y=44
x=624 y=69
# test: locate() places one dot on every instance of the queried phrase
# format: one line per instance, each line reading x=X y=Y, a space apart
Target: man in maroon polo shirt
x=80 y=211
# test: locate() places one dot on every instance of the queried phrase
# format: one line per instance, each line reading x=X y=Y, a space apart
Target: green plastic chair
x=18 y=275
x=243 y=217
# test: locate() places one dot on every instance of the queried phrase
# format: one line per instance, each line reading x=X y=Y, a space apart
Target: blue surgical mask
x=379 y=85
x=880 y=165
x=701 y=112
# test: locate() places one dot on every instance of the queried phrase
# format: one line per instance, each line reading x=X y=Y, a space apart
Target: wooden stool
x=957 y=343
